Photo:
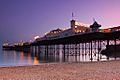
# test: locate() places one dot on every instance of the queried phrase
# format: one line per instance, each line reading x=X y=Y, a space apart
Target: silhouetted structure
x=95 y=26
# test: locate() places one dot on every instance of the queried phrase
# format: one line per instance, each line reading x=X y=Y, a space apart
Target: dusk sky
x=24 y=19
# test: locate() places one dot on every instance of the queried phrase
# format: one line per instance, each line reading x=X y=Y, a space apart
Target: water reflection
x=29 y=59
x=4 y=56
x=54 y=53
x=36 y=61
x=14 y=53
x=21 y=57
x=15 y=58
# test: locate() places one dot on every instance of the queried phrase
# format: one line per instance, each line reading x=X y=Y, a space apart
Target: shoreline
x=103 y=70
x=51 y=63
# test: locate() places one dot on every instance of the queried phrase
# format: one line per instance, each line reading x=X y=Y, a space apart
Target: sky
x=24 y=19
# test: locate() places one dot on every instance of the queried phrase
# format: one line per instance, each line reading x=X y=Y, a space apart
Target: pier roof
x=95 y=24
x=85 y=37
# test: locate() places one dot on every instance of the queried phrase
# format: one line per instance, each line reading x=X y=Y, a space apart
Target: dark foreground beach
x=64 y=71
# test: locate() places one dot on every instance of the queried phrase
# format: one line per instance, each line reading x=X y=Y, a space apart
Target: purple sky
x=24 y=19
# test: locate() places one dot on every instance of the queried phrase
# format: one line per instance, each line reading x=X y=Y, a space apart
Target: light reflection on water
x=36 y=61
x=14 y=58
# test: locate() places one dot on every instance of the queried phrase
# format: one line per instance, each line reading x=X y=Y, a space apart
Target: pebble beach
x=107 y=70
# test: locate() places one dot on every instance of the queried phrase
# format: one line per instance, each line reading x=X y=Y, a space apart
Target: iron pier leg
x=76 y=52
x=64 y=52
x=98 y=49
x=91 y=52
x=82 y=51
x=115 y=49
x=46 y=52
x=79 y=51
x=89 y=49
x=107 y=50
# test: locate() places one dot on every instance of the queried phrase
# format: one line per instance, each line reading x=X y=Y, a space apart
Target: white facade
x=75 y=29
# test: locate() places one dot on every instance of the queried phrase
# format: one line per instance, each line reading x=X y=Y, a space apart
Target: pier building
x=75 y=28
x=78 y=40
x=95 y=27
x=112 y=29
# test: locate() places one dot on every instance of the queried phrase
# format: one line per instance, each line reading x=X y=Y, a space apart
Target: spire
x=94 y=19
x=72 y=22
x=72 y=16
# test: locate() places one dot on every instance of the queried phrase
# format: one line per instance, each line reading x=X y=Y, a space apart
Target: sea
x=19 y=58
x=15 y=58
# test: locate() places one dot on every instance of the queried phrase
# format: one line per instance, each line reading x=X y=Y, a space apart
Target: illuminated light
x=36 y=37
x=54 y=32
x=16 y=44
x=77 y=31
x=82 y=24
x=5 y=44
x=64 y=29
x=46 y=33
x=76 y=23
x=75 y=26
x=106 y=30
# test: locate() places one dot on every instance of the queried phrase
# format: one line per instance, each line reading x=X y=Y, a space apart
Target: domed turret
x=95 y=27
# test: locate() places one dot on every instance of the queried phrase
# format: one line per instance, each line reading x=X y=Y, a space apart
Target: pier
x=86 y=42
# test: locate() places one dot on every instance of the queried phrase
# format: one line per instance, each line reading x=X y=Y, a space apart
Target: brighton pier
x=80 y=39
